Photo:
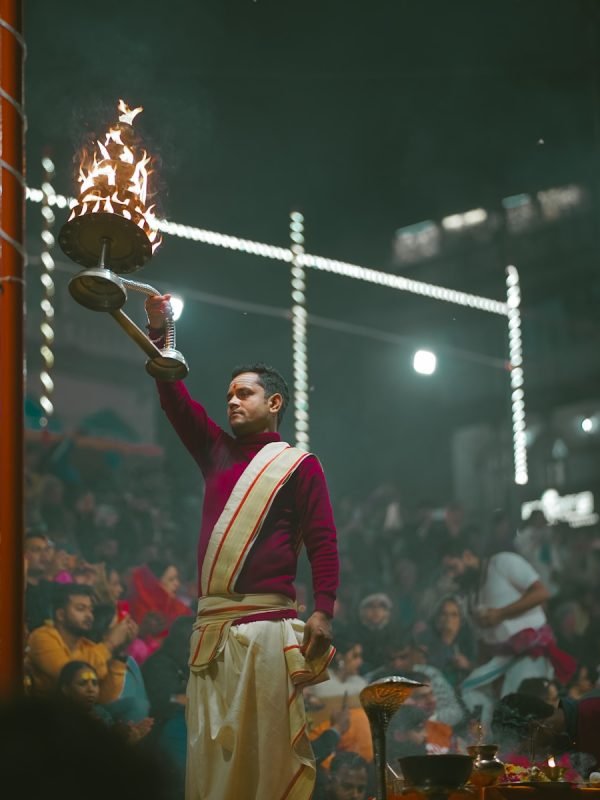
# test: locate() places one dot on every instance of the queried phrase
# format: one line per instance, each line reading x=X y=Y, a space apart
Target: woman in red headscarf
x=154 y=588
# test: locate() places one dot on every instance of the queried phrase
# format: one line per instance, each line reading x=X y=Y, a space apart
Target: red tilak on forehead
x=240 y=380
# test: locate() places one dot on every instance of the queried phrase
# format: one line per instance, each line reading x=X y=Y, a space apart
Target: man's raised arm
x=188 y=417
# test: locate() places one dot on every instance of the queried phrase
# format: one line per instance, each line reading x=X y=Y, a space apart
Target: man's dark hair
x=63 y=592
x=271 y=380
x=346 y=758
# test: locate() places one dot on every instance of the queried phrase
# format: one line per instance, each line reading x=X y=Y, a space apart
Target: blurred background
x=381 y=124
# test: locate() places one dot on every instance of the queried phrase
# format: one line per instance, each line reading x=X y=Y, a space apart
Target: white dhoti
x=245 y=715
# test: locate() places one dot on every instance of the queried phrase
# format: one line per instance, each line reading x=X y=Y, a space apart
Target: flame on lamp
x=551 y=762
x=114 y=178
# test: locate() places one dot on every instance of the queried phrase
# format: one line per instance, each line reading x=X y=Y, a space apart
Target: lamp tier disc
x=81 y=240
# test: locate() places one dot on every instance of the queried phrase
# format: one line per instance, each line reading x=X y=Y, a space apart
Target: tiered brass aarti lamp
x=111 y=232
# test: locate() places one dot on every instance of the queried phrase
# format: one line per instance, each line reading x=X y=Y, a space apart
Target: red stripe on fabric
x=293 y=782
x=216 y=647
x=230 y=608
x=262 y=516
x=237 y=511
x=298 y=735
x=199 y=643
x=292 y=697
x=291 y=647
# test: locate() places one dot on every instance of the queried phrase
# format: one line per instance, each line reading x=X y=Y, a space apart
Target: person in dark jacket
x=166 y=674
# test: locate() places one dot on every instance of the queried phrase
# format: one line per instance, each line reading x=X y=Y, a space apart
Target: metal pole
x=12 y=257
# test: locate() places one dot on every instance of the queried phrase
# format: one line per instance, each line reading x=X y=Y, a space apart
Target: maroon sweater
x=301 y=512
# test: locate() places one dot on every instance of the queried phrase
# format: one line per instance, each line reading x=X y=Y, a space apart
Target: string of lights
x=300 y=261
x=47 y=302
x=303 y=259
x=299 y=331
x=515 y=347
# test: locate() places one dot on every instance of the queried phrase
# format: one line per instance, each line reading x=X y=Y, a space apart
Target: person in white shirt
x=506 y=598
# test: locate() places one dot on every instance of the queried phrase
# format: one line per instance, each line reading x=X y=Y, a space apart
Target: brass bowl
x=444 y=771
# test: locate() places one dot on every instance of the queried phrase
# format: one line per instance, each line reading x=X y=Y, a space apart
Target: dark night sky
x=366 y=116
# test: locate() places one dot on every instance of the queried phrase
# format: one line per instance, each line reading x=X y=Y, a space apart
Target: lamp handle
x=150 y=291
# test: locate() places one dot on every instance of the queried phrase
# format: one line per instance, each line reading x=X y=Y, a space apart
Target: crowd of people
x=473 y=610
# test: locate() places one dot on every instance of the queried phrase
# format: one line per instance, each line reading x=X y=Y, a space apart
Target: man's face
x=376 y=614
x=448 y=620
x=423 y=698
x=78 y=616
x=37 y=555
x=402 y=660
x=248 y=410
x=349 y=784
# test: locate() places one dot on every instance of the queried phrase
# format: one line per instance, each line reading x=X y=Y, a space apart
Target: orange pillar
x=12 y=199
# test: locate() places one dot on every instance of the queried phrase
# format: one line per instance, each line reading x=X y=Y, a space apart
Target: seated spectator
x=154 y=588
x=52 y=645
x=439 y=737
x=572 y=624
x=342 y=690
x=348 y=779
x=541 y=688
x=344 y=677
x=526 y=724
x=406 y=735
x=373 y=628
x=325 y=743
x=114 y=584
x=582 y=683
x=449 y=641
x=63 y=561
x=79 y=682
x=38 y=590
x=132 y=705
x=402 y=591
x=403 y=655
x=166 y=675
x=56 y=750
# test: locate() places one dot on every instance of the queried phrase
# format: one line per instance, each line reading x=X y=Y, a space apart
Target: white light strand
x=515 y=347
x=299 y=332
x=305 y=260
x=48 y=199
x=403 y=284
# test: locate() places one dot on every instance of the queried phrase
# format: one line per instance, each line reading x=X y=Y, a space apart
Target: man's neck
x=70 y=639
